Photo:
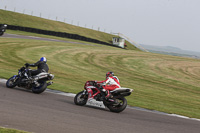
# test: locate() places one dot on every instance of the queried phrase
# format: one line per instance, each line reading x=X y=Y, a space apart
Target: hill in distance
x=170 y=50
x=24 y=20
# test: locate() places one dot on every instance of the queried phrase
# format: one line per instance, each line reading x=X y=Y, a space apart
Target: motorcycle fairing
x=90 y=91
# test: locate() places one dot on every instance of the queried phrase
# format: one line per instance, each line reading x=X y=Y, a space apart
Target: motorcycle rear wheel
x=39 y=89
x=11 y=82
x=1 y=33
x=80 y=99
x=122 y=103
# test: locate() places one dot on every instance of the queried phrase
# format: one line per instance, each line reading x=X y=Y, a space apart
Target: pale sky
x=151 y=22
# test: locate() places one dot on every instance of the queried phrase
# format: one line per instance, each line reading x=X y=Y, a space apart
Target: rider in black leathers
x=41 y=67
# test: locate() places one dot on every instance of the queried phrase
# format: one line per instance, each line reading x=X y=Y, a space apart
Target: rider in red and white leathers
x=112 y=82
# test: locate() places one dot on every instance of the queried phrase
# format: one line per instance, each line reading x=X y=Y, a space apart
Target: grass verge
x=8 y=130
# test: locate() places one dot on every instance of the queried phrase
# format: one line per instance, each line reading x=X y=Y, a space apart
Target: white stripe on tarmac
x=60 y=93
x=185 y=117
x=3 y=80
x=99 y=104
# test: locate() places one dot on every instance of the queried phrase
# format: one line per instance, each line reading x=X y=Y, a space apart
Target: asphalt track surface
x=53 y=113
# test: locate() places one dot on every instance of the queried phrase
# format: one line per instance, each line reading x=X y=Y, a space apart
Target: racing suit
x=41 y=67
x=111 y=84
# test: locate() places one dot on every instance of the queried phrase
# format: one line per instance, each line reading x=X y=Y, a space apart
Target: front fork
x=84 y=94
x=16 y=79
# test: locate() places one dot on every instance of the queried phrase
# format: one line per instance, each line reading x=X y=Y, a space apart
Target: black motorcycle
x=37 y=83
x=2 y=29
x=117 y=103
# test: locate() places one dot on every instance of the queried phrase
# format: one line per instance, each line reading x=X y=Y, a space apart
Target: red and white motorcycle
x=117 y=103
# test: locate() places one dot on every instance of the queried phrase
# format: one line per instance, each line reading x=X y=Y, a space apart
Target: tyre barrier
x=58 y=34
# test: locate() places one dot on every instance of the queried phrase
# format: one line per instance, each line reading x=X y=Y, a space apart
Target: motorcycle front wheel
x=119 y=106
x=39 y=89
x=11 y=82
x=80 y=98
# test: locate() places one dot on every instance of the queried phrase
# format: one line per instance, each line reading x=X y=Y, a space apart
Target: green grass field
x=8 y=130
x=160 y=82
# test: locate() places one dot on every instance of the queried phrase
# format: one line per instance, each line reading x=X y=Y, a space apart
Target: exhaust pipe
x=49 y=83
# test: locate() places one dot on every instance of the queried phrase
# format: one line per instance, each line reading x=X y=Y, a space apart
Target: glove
x=27 y=64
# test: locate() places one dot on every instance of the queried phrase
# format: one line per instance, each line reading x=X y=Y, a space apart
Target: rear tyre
x=39 y=89
x=120 y=106
x=11 y=82
x=1 y=33
x=80 y=98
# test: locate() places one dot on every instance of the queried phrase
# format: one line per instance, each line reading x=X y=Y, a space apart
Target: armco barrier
x=58 y=34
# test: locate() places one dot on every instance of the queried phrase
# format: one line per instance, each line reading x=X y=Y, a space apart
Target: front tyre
x=119 y=106
x=80 y=98
x=39 y=89
x=11 y=82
